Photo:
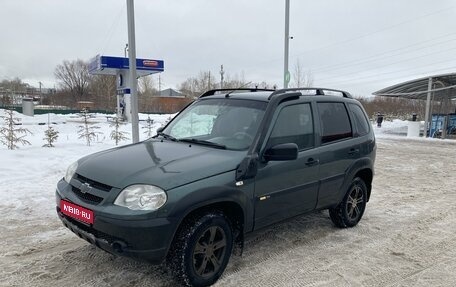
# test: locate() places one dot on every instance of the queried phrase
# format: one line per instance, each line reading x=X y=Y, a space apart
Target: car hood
x=165 y=164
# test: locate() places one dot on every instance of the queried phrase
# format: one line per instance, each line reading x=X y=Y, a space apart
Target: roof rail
x=214 y=91
x=318 y=91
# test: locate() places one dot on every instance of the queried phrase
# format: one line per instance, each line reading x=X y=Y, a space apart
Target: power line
x=377 y=78
x=114 y=26
x=294 y=56
x=397 y=62
x=378 y=31
x=384 y=55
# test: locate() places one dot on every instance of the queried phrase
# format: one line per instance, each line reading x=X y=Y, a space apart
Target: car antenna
x=241 y=87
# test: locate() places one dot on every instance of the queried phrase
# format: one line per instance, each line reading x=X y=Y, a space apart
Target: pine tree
x=88 y=130
x=116 y=134
x=148 y=127
x=50 y=136
x=10 y=135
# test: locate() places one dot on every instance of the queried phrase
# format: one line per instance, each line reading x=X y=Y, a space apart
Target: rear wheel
x=202 y=249
x=349 y=212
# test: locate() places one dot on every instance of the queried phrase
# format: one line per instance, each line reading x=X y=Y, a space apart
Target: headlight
x=71 y=171
x=141 y=197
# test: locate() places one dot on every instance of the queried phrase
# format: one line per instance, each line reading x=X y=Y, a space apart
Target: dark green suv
x=228 y=164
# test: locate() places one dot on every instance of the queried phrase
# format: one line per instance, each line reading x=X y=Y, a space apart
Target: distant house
x=171 y=93
x=168 y=101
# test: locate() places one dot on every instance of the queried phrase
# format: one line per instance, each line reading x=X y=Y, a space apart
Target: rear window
x=335 y=122
x=362 y=124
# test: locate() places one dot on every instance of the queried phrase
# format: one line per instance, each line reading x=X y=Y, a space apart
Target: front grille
x=94 y=184
x=87 y=197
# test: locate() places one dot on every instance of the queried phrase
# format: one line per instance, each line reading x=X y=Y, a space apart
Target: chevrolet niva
x=228 y=164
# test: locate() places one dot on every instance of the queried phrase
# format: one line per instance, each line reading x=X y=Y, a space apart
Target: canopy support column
x=428 y=106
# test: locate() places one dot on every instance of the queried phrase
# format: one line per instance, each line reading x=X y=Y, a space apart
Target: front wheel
x=349 y=212
x=202 y=249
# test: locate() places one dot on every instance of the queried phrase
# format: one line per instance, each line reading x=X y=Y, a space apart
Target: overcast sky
x=357 y=45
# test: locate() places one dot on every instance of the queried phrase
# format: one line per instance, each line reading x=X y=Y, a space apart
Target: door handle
x=353 y=151
x=312 y=161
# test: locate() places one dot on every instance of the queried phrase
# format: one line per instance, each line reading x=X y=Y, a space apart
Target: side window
x=361 y=121
x=293 y=125
x=335 y=123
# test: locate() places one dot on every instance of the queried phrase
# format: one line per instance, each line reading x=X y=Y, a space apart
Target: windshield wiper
x=166 y=136
x=203 y=142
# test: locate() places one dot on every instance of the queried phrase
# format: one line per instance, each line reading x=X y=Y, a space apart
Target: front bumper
x=147 y=239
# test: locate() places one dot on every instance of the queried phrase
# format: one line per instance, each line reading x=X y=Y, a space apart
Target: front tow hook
x=118 y=246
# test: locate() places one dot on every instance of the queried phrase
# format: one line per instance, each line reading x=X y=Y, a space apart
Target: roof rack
x=214 y=91
x=318 y=91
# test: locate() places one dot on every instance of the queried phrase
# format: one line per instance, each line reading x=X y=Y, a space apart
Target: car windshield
x=223 y=123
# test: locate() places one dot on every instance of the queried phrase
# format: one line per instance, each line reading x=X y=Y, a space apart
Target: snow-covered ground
x=406 y=238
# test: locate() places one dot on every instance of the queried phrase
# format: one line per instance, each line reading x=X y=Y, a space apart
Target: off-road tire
x=350 y=211
x=205 y=239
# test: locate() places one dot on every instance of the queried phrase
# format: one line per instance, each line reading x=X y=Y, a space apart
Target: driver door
x=288 y=188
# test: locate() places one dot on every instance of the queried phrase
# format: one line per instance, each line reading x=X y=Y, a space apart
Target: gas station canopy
x=120 y=67
x=440 y=85
x=107 y=65
x=440 y=88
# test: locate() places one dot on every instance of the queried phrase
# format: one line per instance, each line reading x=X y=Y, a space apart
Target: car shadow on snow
x=98 y=268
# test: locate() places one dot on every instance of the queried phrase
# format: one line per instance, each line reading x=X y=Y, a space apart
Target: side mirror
x=286 y=151
x=160 y=129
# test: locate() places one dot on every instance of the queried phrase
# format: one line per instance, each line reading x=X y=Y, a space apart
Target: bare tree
x=265 y=85
x=74 y=77
x=237 y=81
x=195 y=86
x=146 y=86
x=11 y=89
x=301 y=78
x=393 y=108
x=146 y=90
x=103 y=91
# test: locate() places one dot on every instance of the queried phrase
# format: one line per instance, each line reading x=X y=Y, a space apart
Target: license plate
x=77 y=212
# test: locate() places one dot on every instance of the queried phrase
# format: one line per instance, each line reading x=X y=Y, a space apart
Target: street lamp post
x=132 y=65
x=221 y=76
x=286 y=73
x=41 y=94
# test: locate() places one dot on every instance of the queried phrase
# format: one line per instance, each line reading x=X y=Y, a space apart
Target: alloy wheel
x=209 y=251
x=355 y=202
